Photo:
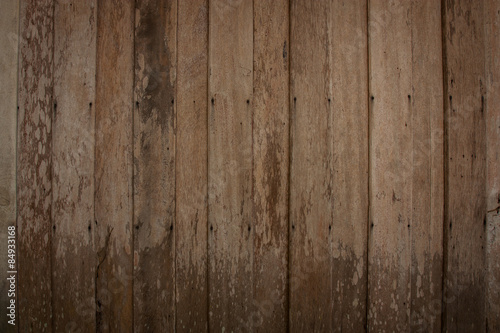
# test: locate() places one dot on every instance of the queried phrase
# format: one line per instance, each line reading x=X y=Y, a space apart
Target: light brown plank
x=113 y=165
x=73 y=248
x=426 y=234
x=34 y=165
x=269 y=309
x=230 y=238
x=154 y=165
x=348 y=105
x=311 y=168
x=191 y=167
x=492 y=45
x=9 y=25
x=465 y=155
x=391 y=165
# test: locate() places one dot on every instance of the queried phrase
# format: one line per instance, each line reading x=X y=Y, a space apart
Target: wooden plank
x=269 y=310
x=230 y=238
x=426 y=234
x=9 y=25
x=465 y=155
x=154 y=165
x=348 y=106
x=311 y=168
x=73 y=293
x=113 y=165
x=34 y=163
x=391 y=167
x=492 y=45
x=191 y=167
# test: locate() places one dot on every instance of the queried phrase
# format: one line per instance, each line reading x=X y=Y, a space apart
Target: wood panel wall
x=239 y=165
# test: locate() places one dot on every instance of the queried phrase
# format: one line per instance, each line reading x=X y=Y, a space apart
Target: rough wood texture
x=73 y=251
x=154 y=165
x=269 y=308
x=492 y=46
x=426 y=226
x=391 y=165
x=465 y=155
x=191 y=167
x=311 y=169
x=9 y=25
x=230 y=165
x=34 y=165
x=113 y=166
x=347 y=90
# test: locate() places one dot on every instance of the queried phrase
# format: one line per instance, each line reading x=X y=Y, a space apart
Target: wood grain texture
x=154 y=165
x=391 y=165
x=311 y=169
x=113 y=166
x=426 y=234
x=465 y=163
x=73 y=250
x=34 y=165
x=347 y=74
x=191 y=167
x=230 y=239
x=9 y=26
x=492 y=49
x=269 y=308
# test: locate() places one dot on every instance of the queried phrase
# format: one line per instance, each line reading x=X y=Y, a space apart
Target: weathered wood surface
x=465 y=167
x=311 y=169
x=34 y=165
x=9 y=25
x=426 y=225
x=231 y=231
x=391 y=166
x=191 y=167
x=113 y=166
x=347 y=92
x=73 y=250
x=269 y=308
x=249 y=165
x=154 y=165
x=492 y=104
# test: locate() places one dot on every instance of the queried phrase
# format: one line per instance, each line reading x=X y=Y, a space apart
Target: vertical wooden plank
x=154 y=165
x=230 y=164
x=427 y=163
x=73 y=166
x=348 y=105
x=113 y=165
x=9 y=26
x=311 y=168
x=191 y=167
x=465 y=155
x=391 y=143
x=34 y=163
x=269 y=311
x=492 y=45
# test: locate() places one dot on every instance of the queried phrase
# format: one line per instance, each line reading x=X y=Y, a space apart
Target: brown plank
x=191 y=167
x=348 y=105
x=113 y=165
x=34 y=165
x=465 y=154
x=426 y=234
x=154 y=165
x=9 y=25
x=73 y=293
x=230 y=238
x=391 y=167
x=269 y=308
x=311 y=168
x=492 y=45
